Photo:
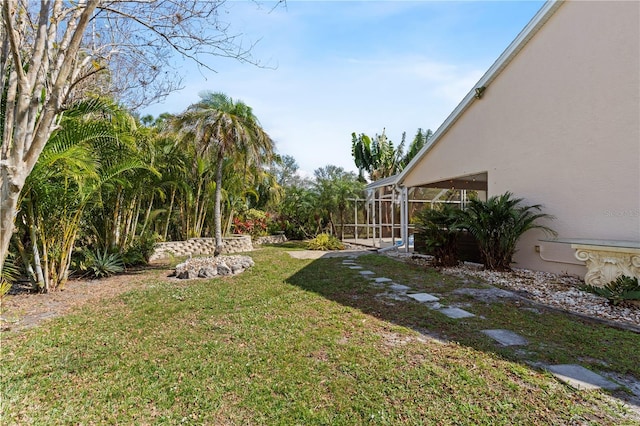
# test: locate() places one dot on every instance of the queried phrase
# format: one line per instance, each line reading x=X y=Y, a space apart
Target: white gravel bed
x=558 y=291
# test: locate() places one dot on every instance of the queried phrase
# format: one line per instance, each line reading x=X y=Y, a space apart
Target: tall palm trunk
x=166 y=227
x=31 y=223
x=217 y=219
x=115 y=232
x=194 y=232
x=26 y=262
x=130 y=222
x=147 y=215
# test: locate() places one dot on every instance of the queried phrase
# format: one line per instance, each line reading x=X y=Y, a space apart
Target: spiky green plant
x=498 y=223
x=102 y=264
x=617 y=291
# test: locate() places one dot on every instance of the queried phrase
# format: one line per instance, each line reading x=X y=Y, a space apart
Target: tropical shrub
x=497 y=224
x=617 y=291
x=140 y=250
x=325 y=242
x=439 y=227
x=253 y=222
x=9 y=275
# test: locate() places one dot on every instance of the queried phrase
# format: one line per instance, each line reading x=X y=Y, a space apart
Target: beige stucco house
x=556 y=121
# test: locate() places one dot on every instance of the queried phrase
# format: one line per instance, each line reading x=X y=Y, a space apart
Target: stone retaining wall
x=196 y=246
x=271 y=239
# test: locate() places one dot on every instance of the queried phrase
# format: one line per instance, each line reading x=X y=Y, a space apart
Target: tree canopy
x=55 y=52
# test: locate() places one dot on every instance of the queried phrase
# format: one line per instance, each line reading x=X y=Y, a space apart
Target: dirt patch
x=24 y=310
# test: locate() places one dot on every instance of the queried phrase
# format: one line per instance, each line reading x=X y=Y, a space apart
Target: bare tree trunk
x=9 y=194
x=227 y=229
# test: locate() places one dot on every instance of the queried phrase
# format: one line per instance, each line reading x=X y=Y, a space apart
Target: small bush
x=439 y=227
x=253 y=222
x=325 y=242
x=140 y=250
x=616 y=292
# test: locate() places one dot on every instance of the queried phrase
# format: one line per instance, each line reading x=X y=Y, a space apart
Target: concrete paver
x=572 y=374
x=506 y=337
x=580 y=378
x=423 y=297
x=456 y=313
x=399 y=287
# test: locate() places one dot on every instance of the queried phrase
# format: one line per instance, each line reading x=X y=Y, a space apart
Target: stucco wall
x=560 y=126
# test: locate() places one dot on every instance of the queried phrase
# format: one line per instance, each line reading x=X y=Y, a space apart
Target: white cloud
x=332 y=79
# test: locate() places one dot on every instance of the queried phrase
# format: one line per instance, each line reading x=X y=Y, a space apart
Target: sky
x=331 y=68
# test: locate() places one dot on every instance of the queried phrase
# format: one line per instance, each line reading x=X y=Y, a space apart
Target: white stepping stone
x=355 y=267
x=423 y=297
x=506 y=337
x=348 y=262
x=580 y=378
x=456 y=313
x=399 y=287
x=435 y=306
x=392 y=296
x=382 y=280
x=367 y=273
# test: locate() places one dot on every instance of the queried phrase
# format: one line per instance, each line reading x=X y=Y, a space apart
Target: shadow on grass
x=553 y=337
x=291 y=244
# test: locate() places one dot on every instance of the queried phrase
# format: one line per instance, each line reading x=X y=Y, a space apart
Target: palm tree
x=440 y=227
x=420 y=139
x=223 y=128
x=497 y=224
x=86 y=154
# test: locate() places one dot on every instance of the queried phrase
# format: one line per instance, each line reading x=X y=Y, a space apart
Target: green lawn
x=302 y=342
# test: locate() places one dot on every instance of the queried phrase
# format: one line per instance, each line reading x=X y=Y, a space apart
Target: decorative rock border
x=195 y=246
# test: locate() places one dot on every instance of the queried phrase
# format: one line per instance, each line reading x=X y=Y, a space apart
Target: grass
x=299 y=342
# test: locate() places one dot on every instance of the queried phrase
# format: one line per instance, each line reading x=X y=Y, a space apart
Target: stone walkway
x=572 y=374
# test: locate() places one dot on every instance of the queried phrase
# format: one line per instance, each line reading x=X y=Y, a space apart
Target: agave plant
x=498 y=223
x=440 y=227
x=101 y=264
